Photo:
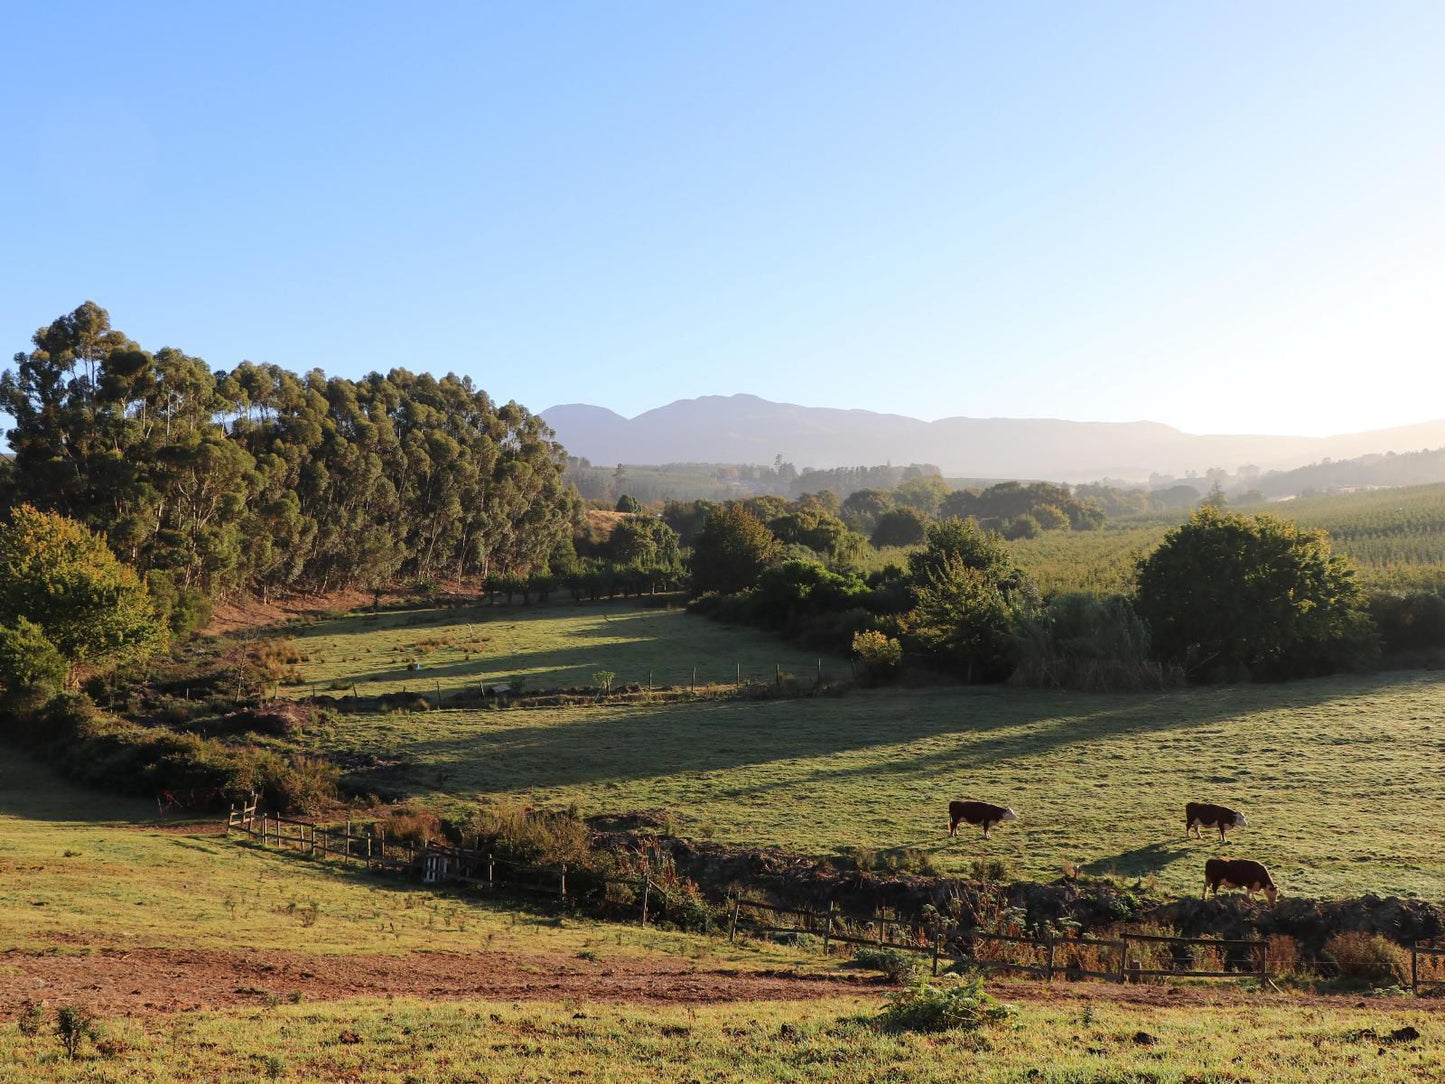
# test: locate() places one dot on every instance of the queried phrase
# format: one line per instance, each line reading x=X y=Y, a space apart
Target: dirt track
x=177 y=980
x=141 y=981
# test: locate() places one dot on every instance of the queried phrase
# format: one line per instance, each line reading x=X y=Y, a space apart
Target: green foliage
x=964 y=614
x=946 y=1004
x=897 y=965
x=899 y=527
x=1231 y=595
x=732 y=550
x=61 y=576
x=312 y=483
x=74 y=1025
x=1410 y=622
x=31 y=669
x=628 y=504
x=1082 y=642
x=879 y=654
x=1367 y=959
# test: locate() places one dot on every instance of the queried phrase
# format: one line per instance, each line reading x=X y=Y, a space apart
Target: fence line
x=437 y=863
x=1129 y=968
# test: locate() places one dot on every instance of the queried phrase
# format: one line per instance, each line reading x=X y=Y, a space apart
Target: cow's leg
x=986 y=827
x=953 y=828
x=1221 y=832
x=1205 y=894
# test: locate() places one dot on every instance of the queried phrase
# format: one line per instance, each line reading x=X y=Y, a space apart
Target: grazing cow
x=1211 y=816
x=977 y=813
x=1242 y=873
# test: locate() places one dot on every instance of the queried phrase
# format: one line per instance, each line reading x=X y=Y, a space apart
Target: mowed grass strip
x=1339 y=777
x=545 y=646
x=1068 y=1042
x=81 y=870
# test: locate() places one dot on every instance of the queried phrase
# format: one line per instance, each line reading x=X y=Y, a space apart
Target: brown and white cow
x=1242 y=873
x=1210 y=816
x=977 y=813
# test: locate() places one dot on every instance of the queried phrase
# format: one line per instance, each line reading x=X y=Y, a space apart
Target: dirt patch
x=117 y=982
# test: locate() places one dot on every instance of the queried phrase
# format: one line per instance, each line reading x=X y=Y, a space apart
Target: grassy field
x=81 y=871
x=1394 y=537
x=1064 y=1042
x=1338 y=776
x=544 y=647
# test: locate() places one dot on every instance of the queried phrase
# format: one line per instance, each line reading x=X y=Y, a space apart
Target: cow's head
x=1271 y=893
x=1239 y=820
x=1009 y=815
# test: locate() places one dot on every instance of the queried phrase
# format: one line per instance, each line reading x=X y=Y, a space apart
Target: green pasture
x=405 y=1041
x=1340 y=777
x=81 y=870
x=544 y=646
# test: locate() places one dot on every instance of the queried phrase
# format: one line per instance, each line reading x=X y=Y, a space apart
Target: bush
x=878 y=654
x=518 y=833
x=961 y=1004
x=1089 y=644
x=1410 y=622
x=897 y=965
x=413 y=825
x=1368 y=959
x=74 y=1025
x=32 y=671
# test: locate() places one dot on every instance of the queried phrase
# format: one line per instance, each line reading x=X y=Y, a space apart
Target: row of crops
x=1394 y=537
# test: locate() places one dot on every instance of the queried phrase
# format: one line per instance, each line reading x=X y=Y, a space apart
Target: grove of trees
x=259 y=479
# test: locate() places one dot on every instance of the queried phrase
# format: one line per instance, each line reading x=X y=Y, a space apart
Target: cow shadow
x=1139 y=861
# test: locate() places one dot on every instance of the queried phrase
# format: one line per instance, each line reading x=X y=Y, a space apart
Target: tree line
x=258 y=479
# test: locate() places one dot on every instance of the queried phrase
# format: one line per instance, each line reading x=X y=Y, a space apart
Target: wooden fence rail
x=435 y=864
x=1429 y=952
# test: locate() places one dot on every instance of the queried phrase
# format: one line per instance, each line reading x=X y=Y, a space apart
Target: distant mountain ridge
x=748 y=429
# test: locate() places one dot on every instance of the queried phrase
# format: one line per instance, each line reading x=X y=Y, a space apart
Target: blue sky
x=1226 y=217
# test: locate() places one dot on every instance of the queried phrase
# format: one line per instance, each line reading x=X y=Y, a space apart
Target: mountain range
x=747 y=429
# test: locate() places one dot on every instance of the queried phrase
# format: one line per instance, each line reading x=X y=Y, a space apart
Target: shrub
x=961 y=1004
x=519 y=833
x=1367 y=958
x=413 y=825
x=31 y=669
x=30 y=1020
x=879 y=654
x=897 y=965
x=74 y=1025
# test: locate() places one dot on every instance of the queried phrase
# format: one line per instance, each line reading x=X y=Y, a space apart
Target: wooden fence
x=1044 y=957
x=434 y=863
x=1434 y=954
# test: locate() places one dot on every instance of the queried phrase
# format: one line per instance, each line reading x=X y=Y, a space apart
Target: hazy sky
x=1227 y=217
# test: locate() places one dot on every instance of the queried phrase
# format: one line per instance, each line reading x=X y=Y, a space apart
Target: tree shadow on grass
x=972 y=732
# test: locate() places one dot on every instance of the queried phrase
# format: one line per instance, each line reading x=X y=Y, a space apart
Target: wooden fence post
x=1123 y=956
x=828 y=929
x=562 y=885
x=1414 y=967
x=489 y=870
x=733 y=925
x=937 y=950
x=740 y=676
x=693 y=686
x=1049 y=959
x=646 y=887
x=778 y=674
x=347 y=844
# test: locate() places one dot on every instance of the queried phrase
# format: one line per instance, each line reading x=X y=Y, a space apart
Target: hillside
x=747 y=429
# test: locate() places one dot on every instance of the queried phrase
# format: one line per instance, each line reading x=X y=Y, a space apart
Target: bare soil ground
x=142 y=981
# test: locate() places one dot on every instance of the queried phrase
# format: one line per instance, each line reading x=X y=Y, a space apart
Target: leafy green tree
x=1232 y=595
x=899 y=527
x=733 y=548
x=63 y=578
x=30 y=666
x=627 y=503
x=863 y=507
x=965 y=588
x=923 y=495
x=820 y=531
x=1025 y=526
